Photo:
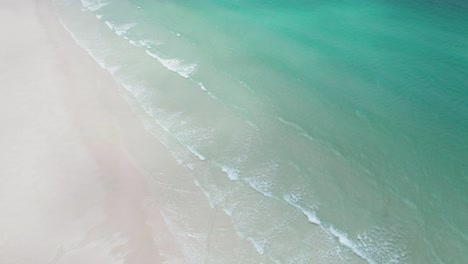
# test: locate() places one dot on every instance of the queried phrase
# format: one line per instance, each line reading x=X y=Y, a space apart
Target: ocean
x=326 y=131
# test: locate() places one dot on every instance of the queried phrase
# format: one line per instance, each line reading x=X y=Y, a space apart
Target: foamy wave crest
x=122 y=29
x=261 y=186
x=376 y=246
x=228 y=211
x=175 y=65
x=109 y=25
x=259 y=245
x=94 y=5
x=233 y=166
x=260 y=179
x=196 y=153
x=142 y=43
x=345 y=241
x=135 y=43
x=203 y=88
x=293 y=200
x=200 y=84
x=232 y=173
x=382 y=245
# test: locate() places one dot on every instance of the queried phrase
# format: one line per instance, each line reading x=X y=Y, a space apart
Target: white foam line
x=93 y=6
x=311 y=216
x=232 y=173
x=134 y=43
x=260 y=247
x=196 y=153
x=109 y=25
x=227 y=211
x=331 y=230
x=122 y=29
x=175 y=65
x=202 y=87
x=343 y=239
x=254 y=186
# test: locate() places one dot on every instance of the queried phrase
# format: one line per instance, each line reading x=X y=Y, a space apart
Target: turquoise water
x=328 y=131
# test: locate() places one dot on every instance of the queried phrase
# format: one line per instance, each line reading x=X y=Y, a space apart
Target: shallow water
x=328 y=131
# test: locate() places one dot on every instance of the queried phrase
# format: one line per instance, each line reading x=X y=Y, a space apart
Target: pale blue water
x=352 y=114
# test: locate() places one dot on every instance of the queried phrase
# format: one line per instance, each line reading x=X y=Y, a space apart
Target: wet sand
x=69 y=191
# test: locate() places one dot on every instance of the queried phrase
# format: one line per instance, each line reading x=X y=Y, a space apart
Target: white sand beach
x=82 y=178
x=202 y=132
x=69 y=192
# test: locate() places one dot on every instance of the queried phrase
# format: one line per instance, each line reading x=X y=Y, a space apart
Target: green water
x=354 y=113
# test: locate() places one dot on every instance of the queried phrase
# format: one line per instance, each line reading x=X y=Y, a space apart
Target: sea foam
x=259 y=245
x=109 y=25
x=122 y=29
x=232 y=173
x=260 y=179
x=93 y=5
x=345 y=241
x=293 y=200
x=175 y=65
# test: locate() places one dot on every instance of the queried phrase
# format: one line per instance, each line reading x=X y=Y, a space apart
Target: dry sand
x=69 y=192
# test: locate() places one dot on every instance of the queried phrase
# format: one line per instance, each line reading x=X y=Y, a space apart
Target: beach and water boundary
x=299 y=200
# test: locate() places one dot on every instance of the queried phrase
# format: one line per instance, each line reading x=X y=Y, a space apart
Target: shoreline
x=104 y=186
x=118 y=178
x=71 y=192
x=272 y=153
